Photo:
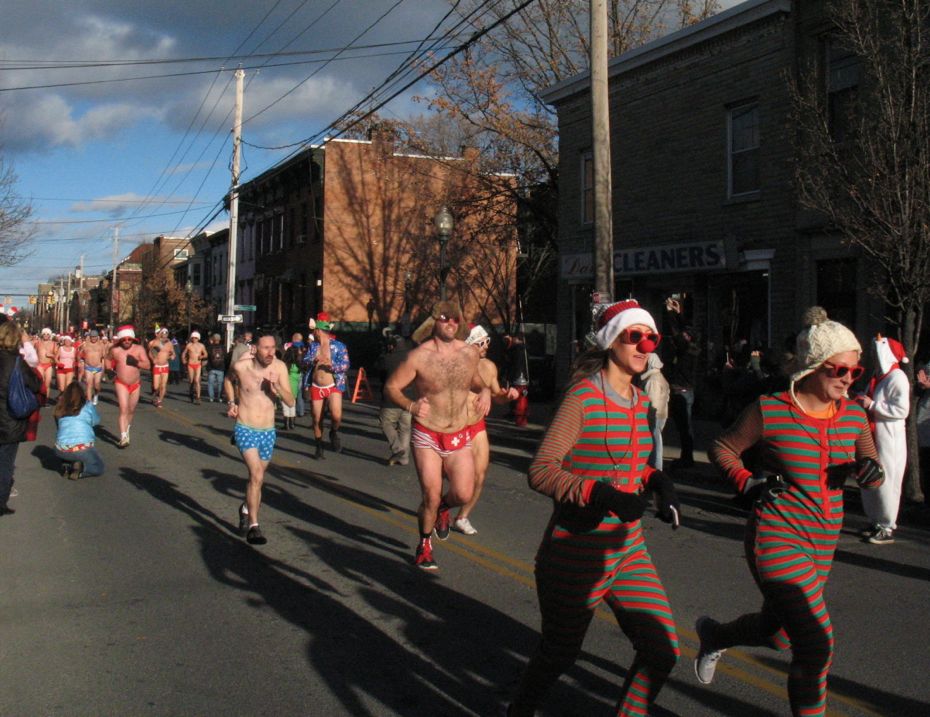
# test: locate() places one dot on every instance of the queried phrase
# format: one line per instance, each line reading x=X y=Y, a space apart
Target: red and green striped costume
x=588 y=556
x=790 y=542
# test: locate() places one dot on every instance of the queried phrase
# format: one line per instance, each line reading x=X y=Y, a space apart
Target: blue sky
x=94 y=156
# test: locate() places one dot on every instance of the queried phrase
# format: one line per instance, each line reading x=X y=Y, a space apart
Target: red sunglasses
x=834 y=371
x=634 y=336
x=446 y=317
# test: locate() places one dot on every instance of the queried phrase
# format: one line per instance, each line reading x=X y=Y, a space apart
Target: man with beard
x=127 y=357
x=162 y=352
x=444 y=370
x=93 y=351
x=261 y=380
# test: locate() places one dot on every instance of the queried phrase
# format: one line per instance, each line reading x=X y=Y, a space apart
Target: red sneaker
x=424 y=557
x=443 y=522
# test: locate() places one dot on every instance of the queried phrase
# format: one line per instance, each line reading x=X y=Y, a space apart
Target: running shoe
x=243 y=519
x=255 y=536
x=463 y=525
x=123 y=441
x=869 y=531
x=705 y=664
x=882 y=536
x=443 y=522
x=424 y=557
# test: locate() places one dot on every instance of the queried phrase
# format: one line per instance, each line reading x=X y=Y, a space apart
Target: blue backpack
x=20 y=401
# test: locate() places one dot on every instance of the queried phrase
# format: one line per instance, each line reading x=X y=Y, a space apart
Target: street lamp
x=444 y=223
x=189 y=288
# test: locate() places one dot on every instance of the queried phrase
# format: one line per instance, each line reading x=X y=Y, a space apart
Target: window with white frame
x=587 y=188
x=743 y=150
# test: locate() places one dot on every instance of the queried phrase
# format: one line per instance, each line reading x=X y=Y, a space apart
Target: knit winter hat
x=617 y=317
x=820 y=339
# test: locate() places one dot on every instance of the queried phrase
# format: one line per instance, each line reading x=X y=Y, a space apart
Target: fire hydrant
x=521 y=409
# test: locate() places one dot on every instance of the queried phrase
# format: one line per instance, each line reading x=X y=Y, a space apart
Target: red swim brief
x=158 y=370
x=318 y=393
x=442 y=443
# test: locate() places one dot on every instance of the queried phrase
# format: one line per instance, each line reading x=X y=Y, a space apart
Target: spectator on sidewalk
x=395 y=421
x=682 y=365
x=13 y=431
x=657 y=389
x=923 y=426
x=74 y=443
x=216 y=368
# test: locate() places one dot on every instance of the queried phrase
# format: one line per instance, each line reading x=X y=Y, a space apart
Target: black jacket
x=13 y=430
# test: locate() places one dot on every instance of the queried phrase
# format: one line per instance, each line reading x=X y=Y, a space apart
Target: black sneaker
x=243 y=520
x=64 y=469
x=255 y=536
x=869 y=532
x=334 y=439
x=882 y=536
x=443 y=522
x=77 y=470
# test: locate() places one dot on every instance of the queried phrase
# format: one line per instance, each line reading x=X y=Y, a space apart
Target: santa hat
x=46 y=331
x=477 y=335
x=820 y=339
x=322 y=322
x=126 y=332
x=449 y=308
x=890 y=353
x=611 y=322
x=195 y=334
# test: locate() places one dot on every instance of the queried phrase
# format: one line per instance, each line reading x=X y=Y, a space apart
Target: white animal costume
x=891 y=400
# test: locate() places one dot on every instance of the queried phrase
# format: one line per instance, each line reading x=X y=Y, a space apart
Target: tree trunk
x=913 y=491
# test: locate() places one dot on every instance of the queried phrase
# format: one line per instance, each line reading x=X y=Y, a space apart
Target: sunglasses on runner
x=634 y=336
x=834 y=371
x=445 y=317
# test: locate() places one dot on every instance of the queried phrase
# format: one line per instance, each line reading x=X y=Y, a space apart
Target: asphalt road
x=131 y=593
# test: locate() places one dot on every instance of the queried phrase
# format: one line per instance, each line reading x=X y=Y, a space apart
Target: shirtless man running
x=444 y=370
x=93 y=352
x=47 y=351
x=161 y=352
x=194 y=354
x=481 y=448
x=127 y=357
x=261 y=379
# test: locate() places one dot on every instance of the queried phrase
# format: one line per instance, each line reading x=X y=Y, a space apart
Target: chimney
x=382 y=139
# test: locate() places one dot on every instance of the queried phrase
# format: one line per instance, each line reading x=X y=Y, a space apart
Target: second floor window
x=743 y=150
x=842 y=75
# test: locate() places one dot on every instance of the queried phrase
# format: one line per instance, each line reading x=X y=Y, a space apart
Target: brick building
x=347 y=227
x=703 y=196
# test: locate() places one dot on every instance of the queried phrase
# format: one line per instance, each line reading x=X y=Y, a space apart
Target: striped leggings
x=792 y=576
x=567 y=602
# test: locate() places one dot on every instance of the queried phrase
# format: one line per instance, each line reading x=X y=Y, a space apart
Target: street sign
x=230 y=318
x=244 y=307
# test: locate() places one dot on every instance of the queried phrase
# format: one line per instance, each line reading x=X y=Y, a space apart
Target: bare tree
x=864 y=158
x=16 y=231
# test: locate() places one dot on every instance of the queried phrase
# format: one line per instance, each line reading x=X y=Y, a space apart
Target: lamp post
x=189 y=288
x=444 y=223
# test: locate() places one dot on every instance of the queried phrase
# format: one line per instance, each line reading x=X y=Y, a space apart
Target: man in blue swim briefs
x=93 y=352
x=261 y=379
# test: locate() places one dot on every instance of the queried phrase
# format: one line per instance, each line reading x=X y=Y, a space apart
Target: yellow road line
x=522 y=572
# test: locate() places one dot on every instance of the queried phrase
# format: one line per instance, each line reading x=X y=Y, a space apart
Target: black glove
x=869 y=473
x=838 y=474
x=667 y=503
x=761 y=490
x=626 y=506
x=132 y=360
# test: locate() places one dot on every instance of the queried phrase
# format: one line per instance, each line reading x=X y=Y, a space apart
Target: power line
x=109 y=220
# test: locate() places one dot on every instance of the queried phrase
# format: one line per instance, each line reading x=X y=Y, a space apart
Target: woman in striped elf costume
x=592 y=462
x=812 y=438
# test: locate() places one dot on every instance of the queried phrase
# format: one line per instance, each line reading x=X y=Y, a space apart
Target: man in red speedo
x=127 y=357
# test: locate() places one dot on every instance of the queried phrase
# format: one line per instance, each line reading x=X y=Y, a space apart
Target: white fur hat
x=616 y=317
x=476 y=335
x=126 y=332
x=820 y=339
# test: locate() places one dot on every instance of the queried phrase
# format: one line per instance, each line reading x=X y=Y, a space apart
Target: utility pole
x=61 y=305
x=234 y=209
x=113 y=282
x=600 y=137
x=67 y=323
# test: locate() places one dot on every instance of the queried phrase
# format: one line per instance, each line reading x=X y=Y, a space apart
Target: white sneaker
x=462 y=525
x=124 y=440
x=705 y=664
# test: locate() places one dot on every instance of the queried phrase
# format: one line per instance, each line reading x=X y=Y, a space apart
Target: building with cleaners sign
x=701 y=256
